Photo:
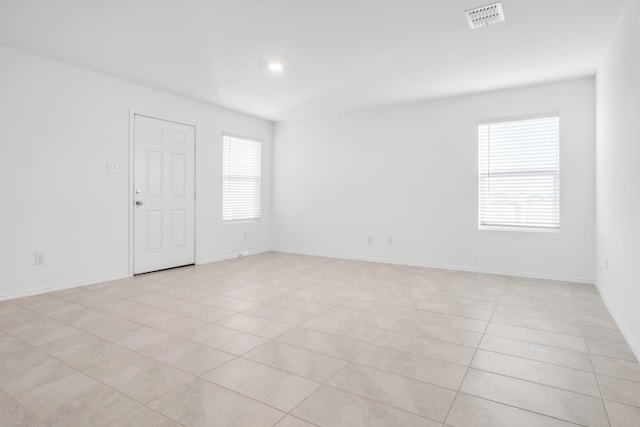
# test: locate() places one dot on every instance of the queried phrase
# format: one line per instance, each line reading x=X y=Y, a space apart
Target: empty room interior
x=296 y=213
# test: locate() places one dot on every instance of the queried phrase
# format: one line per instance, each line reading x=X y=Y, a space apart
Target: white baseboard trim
x=230 y=256
x=94 y=281
x=70 y=285
x=632 y=341
x=440 y=266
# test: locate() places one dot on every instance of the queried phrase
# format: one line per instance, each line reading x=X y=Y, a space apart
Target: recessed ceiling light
x=275 y=66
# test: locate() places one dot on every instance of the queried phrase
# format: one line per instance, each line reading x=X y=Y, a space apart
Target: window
x=241 y=179
x=519 y=174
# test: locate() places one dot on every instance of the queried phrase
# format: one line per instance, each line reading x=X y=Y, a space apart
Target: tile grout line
x=444 y=421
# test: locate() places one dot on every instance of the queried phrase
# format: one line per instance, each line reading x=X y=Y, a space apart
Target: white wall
x=409 y=172
x=59 y=126
x=618 y=174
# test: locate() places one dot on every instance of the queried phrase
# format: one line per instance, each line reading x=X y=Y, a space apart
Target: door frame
x=133 y=112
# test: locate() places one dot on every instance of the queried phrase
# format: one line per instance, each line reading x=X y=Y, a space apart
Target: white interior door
x=164 y=185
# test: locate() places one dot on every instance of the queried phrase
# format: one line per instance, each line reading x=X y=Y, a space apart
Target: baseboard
x=229 y=256
x=632 y=341
x=48 y=289
x=440 y=266
x=94 y=281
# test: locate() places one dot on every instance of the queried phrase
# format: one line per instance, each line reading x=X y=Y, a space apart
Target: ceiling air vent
x=485 y=15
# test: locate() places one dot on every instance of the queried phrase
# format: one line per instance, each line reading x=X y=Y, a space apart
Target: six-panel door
x=164 y=218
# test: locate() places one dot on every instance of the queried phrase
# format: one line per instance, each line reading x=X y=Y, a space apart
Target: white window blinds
x=519 y=174
x=241 y=179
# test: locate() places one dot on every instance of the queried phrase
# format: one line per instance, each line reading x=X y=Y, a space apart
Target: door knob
x=139 y=203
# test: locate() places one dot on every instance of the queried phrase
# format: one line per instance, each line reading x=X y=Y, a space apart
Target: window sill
x=236 y=221
x=522 y=229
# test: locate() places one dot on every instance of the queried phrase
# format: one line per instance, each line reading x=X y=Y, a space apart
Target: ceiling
x=339 y=55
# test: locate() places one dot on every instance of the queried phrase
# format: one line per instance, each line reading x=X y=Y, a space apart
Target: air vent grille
x=485 y=15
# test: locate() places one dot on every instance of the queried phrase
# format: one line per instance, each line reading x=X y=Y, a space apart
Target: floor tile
x=83 y=350
x=87 y=319
x=228 y=303
x=119 y=291
x=343 y=328
x=143 y=417
x=331 y=407
x=540 y=304
x=414 y=396
x=365 y=318
x=411 y=365
x=30 y=368
x=456 y=336
x=48 y=304
x=84 y=297
x=448 y=320
x=36 y=331
x=619 y=390
x=274 y=387
x=428 y=347
x=597 y=322
x=376 y=307
x=224 y=339
x=298 y=361
x=557 y=316
x=156 y=300
x=473 y=411
x=130 y=335
x=539 y=352
x=10 y=345
x=455 y=310
x=279 y=314
x=125 y=309
x=254 y=325
x=535 y=336
x=462 y=302
x=14 y=414
x=553 y=402
x=203 y=404
x=332 y=345
x=618 y=368
x=623 y=415
x=303 y=305
x=537 y=323
x=290 y=421
x=602 y=334
x=187 y=355
x=141 y=378
x=9 y=309
x=166 y=321
x=610 y=349
x=399 y=301
x=538 y=372
x=76 y=401
x=203 y=312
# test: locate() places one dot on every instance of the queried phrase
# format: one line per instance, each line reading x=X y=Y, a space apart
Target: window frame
x=527 y=228
x=252 y=139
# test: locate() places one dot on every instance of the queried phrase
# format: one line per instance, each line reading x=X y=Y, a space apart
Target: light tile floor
x=294 y=341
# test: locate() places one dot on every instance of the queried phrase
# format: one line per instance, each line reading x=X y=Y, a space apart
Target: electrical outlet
x=370 y=240
x=246 y=235
x=389 y=241
x=39 y=259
